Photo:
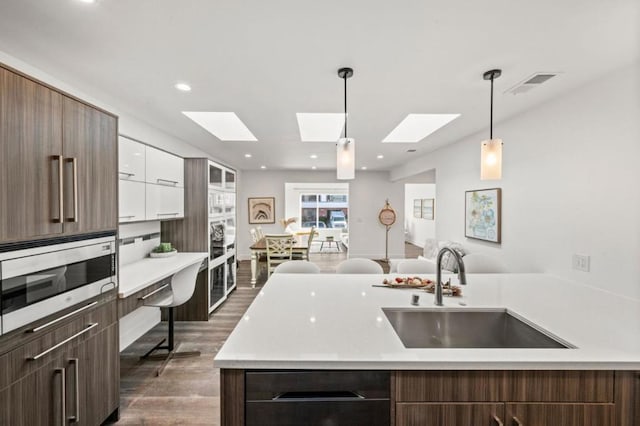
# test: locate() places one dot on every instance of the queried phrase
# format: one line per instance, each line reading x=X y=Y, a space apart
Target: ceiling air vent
x=531 y=82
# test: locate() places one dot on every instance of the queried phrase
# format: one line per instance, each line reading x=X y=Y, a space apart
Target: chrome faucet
x=462 y=277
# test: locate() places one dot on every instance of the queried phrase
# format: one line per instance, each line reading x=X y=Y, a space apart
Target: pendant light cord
x=491 y=113
x=345 y=106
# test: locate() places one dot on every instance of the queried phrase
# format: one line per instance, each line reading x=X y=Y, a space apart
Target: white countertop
x=327 y=321
x=143 y=273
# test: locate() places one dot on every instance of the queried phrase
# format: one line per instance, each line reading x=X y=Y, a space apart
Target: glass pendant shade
x=345 y=160
x=491 y=159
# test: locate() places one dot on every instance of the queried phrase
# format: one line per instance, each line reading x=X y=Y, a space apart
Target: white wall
x=571 y=184
x=367 y=193
x=418 y=230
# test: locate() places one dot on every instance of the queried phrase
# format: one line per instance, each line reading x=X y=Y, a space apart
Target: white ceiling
x=267 y=60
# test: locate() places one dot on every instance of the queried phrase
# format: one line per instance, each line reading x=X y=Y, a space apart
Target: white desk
x=143 y=273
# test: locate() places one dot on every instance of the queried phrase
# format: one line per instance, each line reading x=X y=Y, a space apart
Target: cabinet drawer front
x=265 y=385
x=104 y=315
x=366 y=412
x=560 y=386
x=561 y=414
x=424 y=414
x=450 y=386
x=163 y=168
x=131 y=160
x=131 y=202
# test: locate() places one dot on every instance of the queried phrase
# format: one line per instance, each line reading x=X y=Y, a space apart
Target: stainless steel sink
x=468 y=328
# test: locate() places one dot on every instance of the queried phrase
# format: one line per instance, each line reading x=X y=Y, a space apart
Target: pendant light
x=491 y=151
x=346 y=147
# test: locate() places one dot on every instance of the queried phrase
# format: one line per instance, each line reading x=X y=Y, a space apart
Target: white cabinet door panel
x=164 y=202
x=131 y=205
x=131 y=160
x=164 y=168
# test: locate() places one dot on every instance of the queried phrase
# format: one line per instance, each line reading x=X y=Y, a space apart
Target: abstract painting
x=482 y=219
x=427 y=208
x=262 y=210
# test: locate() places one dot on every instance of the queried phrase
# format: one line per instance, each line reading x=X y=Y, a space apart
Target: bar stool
x=183 y=283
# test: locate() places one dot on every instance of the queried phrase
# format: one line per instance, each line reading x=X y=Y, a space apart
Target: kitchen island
x=336 y=322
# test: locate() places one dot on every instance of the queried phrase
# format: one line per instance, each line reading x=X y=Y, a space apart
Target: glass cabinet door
x=230 y=203
x=217 y=286
x=216 y=203
x=216 y=176
x=229 y=180
x=231 y=274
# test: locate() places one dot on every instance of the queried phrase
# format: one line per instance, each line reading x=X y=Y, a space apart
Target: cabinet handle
x=60 y=160
x=126 y=217
x=174 y=182
x=74 y=166
x=517 y=421
x=127 y=174
x=168 y=214
x=64 y=342
x=497 y=420
x=63 y=396
x=74 y=362
x=146 y=296
x=43 y=326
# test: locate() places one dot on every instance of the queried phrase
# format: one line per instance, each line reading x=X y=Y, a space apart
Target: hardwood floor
x=188 y=392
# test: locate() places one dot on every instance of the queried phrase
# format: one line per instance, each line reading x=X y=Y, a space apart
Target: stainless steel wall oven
x=39 y=281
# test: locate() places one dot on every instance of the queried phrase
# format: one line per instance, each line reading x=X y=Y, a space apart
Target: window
x=324 y=210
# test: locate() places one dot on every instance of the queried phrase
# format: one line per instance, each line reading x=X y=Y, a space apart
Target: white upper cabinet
x=164 y=202
x=131 y=160
x=164 y=168
x=131 y=201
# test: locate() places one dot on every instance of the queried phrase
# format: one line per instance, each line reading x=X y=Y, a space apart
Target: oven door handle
x=64 y=342
x=70 y=314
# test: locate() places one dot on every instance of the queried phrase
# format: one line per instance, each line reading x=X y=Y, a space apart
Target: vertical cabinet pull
x=63 y=396
x=60 y=161
x=74 y=168
x=76 y=370
x=517 y=421
x=497 y=420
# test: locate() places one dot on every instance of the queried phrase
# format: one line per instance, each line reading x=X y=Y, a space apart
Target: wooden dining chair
x=279 y=250
x=254 y=235
x=259 y=232
x=309 y=241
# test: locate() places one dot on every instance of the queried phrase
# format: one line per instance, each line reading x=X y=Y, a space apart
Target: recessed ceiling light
x=226 y=126
x=88 y=1
x=183 y=87
x=247 y=156
x=380 y=156
x=263 y=167
x=313 y=167
x=416 y=127
x=320 y=127
x=364 y=167
x=314 y=156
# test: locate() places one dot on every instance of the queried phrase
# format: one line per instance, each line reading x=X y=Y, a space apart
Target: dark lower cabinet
x=75 y=382
x=562 y=414
x=456 y=414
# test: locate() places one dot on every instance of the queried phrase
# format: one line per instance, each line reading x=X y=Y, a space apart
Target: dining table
x=258 y=248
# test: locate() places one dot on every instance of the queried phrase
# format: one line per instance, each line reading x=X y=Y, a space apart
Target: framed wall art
x=482 y=217
x=427 y=208
x=262 y=210
x=417 y=208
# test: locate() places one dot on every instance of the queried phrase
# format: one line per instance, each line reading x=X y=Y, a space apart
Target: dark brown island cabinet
x=58 y=178
x=434 y=398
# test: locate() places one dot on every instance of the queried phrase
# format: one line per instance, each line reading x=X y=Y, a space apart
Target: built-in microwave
x=40 y=281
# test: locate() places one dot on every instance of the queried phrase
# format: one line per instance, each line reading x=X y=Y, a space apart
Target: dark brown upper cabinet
x=58 y=162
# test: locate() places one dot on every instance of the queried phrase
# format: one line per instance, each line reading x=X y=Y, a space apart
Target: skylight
x=226 y=126
x=320 y=126
x=416 y=127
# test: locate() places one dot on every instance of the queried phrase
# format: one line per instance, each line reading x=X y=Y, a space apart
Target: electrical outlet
x=581 y=262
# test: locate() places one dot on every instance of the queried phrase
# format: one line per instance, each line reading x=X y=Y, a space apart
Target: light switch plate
x=581 y=262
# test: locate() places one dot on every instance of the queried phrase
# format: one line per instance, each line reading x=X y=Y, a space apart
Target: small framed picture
x=427 y=208
x=417 y=208
x=482 y=217
x=262 y=210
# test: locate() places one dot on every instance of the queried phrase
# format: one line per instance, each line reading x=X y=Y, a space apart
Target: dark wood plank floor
x=188 y=392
